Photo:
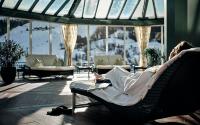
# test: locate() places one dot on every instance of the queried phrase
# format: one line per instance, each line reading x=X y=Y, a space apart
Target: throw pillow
x=37 y=62
x=55 y=62
x=58 y=62
x=100 y=62
x=118 y=62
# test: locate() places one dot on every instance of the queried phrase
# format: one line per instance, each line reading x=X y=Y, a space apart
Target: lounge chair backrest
x=108 y=60
x=176 y=77
x=101 y=60
x=174 y=90
x=115 y=60
x=46 y=60
x=184 y=84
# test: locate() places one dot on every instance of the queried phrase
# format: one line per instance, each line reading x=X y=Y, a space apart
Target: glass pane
x=3 y=29
x=90 y=7
x=20 y=34
x=131 y=47
x=65 y=10
x=40 y=6
x=103 y=8
x=79 y=10
x=150 y=10
x=128 y=9
x=97 y=41
x=138 y=11
x=25 y=5
x=57 y=41
x=155 y=43
x=9 y=3
x=55 y=6
x=116 y=8
x=115 y=41
x=80 y=50
x=159 y=7
x=40 y=36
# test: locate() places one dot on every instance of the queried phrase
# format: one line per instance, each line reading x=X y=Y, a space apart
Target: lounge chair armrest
x=103 y=81
x=26 y=67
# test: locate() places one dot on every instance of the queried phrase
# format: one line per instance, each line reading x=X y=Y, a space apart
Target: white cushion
x=46 y=60
x=54 y=68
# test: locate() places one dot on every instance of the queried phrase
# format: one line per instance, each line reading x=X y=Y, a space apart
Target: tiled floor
x=26 y=102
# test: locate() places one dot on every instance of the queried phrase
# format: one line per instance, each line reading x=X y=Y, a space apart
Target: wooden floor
x=26 y=102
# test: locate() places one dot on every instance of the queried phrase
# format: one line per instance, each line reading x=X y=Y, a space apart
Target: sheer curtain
x=69 y=32
x=142 y=36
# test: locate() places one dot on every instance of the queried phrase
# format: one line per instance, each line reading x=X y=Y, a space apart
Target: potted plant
x=153 y=56
x=10 y=53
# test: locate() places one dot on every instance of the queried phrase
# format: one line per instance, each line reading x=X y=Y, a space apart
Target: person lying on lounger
x=127 y=88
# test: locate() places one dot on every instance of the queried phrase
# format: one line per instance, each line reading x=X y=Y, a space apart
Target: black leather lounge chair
x=176 y=91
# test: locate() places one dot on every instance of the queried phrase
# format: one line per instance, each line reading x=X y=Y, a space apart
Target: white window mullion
x=106 y=40
x=50 y=39
x=30 y=37
x=88 y=44
x=8 y=28
x=125 y=37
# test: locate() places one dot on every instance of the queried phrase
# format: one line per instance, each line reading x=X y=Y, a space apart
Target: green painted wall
x=182 y=22
x=194 y=21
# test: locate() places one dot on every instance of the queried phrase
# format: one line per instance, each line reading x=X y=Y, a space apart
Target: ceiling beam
x=83 y=9
x=138 y=2
x=154 y=7
x=33 y=5
x=17 y=4
x=95 y=13
x=63 y=5
x=1 y=3
x=66 y=20
x=122 y=9
x=73 y=8
x=47 y=7
x=145 y=8
x=109 y=9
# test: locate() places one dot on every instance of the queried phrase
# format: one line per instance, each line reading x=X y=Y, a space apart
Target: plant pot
x=8 y=74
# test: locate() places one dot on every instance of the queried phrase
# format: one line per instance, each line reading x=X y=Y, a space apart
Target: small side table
x=19 y=70
x=88 y=68
x=80 y=86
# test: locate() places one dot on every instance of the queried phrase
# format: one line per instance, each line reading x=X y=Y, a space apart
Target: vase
x=8 y=74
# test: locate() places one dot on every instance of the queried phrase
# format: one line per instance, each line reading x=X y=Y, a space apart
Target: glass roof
x=89 y=10
x=103 y=8
x=9 y=3
x=159 y=4
x=128 y=9
x=66 y=8
x=150 y=10
x=139 y=9
x=77 y=11
x=54 y=7
x=25 y=5
x=40 y=6
x=116 y=8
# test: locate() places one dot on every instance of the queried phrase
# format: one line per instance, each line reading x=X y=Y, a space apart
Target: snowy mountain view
x=40 y=36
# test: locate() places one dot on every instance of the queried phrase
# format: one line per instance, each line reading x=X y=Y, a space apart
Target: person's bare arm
x=98 y=77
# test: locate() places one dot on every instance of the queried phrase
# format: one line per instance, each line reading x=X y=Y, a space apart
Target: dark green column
x=175 y=22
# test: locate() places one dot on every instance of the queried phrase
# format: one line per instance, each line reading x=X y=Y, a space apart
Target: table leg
x=18 y=74
x=88 y=73
x=73 y=102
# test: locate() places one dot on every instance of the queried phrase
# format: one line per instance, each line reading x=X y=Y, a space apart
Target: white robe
x=127 y=88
